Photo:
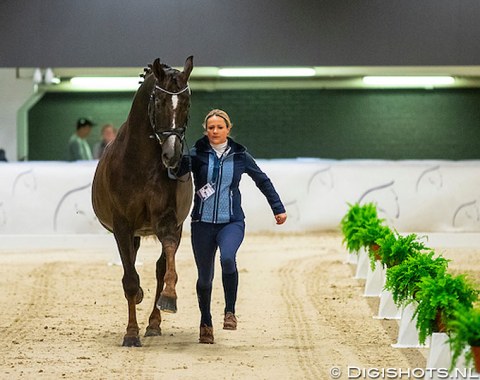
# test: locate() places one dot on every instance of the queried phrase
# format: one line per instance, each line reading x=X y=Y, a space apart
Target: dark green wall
x=338 y=124
x=53 y=120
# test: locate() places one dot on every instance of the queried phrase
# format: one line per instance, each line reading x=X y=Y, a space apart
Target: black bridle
x=161 y=136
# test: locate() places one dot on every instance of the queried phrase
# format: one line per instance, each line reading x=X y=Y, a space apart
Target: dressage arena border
x=412 y=195
x=439 y=355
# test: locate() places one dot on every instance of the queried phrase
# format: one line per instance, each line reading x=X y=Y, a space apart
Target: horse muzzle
x=171 y=152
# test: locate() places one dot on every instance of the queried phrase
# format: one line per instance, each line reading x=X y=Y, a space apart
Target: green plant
x=394 y=248
x=438 y=298
x=370 y=234
x=403 y=280
x=353 y=223
x=464 y=331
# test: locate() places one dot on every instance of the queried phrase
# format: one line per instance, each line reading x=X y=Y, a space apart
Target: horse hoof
x=131 y=341
x=153 y=331
x=167 y=304
x=139 y=296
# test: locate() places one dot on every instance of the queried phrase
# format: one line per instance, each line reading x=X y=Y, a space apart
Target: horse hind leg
x=136 y=246
x=153 y=328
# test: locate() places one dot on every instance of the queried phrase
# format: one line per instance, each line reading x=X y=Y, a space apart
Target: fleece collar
x=203 y=145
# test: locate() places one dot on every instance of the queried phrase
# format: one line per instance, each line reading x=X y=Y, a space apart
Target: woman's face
x=217 y=130
x=108 y=134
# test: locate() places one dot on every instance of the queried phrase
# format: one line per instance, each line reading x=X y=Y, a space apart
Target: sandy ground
x=300 y=310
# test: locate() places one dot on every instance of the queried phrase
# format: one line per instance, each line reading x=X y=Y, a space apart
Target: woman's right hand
x=281 y=218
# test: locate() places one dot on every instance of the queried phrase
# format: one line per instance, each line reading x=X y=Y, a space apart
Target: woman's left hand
x=281 y=218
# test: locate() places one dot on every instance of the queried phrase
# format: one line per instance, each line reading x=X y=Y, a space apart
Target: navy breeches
x=206 y=238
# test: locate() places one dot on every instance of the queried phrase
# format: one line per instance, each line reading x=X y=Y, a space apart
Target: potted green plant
x=370 y=234
x=354 y=220
x=438 y=298
x=395 y=248
x=464 y=332
x=403 y=280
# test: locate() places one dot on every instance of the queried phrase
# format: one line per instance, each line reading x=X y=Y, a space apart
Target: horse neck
x=138 y=118
x=135 y=134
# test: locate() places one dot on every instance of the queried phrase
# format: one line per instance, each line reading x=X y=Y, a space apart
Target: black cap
x=83 y=122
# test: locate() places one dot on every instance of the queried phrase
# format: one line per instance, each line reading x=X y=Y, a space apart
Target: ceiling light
x=267 y=72
x=408 y=81
x=105 y=83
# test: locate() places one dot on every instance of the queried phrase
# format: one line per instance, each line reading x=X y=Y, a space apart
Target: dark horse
x=135 y=191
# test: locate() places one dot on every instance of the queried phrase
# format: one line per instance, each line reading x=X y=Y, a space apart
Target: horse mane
x=146 y=71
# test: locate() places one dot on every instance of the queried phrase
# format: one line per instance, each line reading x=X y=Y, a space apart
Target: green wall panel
x=53 y=120
x=337 y=124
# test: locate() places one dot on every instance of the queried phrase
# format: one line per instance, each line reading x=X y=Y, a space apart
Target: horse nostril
x=169 y=160
x=166 y=161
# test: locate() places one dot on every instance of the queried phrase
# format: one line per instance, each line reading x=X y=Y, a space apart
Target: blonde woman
x=217 y=164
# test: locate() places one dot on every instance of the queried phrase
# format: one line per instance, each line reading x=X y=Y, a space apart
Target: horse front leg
x=169 y=235
x=128 y=246
x=168 y=297
x=153 y=328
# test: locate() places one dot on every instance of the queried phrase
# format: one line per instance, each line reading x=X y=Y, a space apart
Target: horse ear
x=158 y=70
x=188 y=67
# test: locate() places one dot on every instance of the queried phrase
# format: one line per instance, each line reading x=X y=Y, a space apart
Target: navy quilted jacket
x=224 y=175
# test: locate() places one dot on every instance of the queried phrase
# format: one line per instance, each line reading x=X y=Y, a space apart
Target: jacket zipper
x=217 y=192
x=200 y=209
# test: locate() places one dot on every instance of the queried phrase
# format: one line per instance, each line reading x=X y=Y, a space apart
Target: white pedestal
x=362 y=264
x=387 y=308
x=440 y=357
x=375 y=280
x=352 y=258
x=462 y=371
x=408 y=334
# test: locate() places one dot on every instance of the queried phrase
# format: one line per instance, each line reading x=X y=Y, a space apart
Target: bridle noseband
x=162 y=136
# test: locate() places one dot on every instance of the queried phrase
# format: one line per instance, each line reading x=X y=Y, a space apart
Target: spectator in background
x=108 y=135
x=78 y=148
x=3 y=158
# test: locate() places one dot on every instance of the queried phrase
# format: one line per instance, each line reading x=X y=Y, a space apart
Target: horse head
x=168 y=109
